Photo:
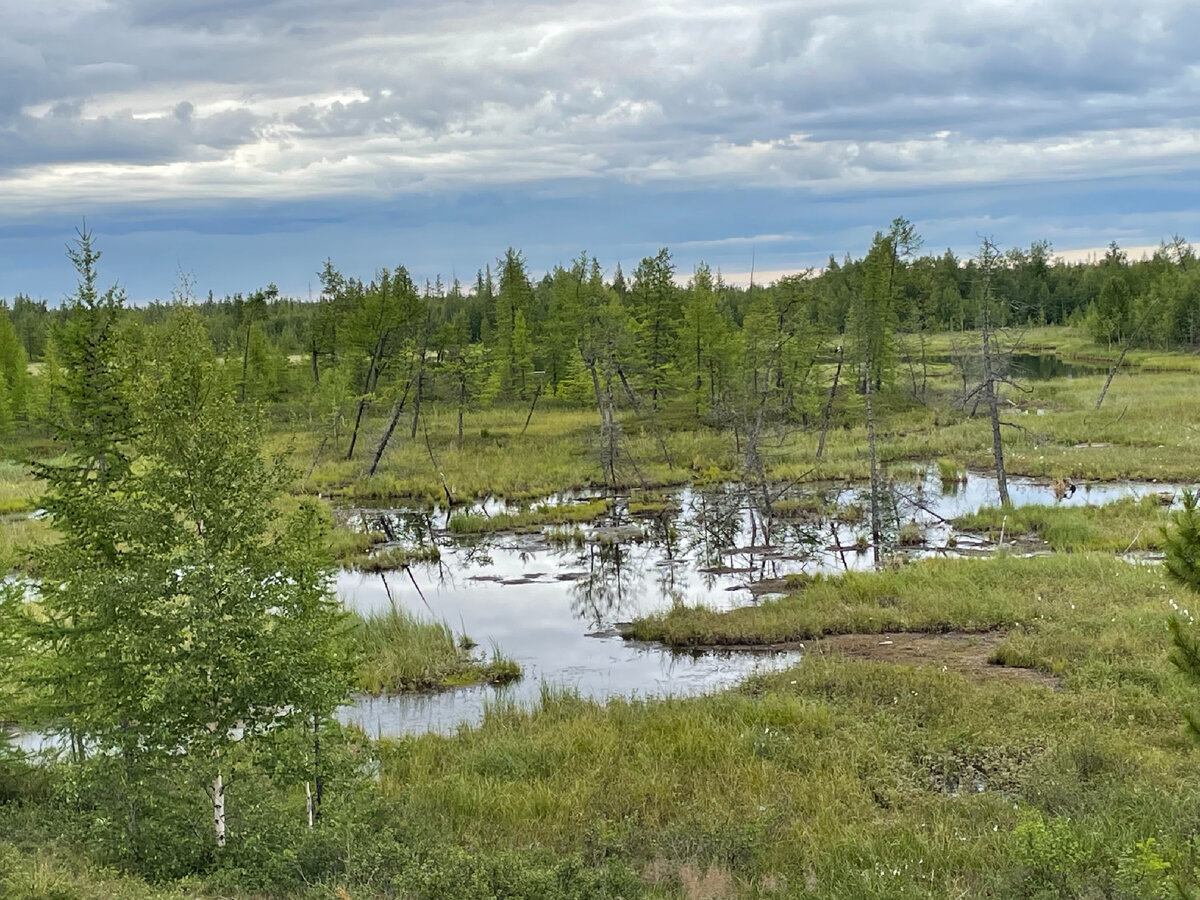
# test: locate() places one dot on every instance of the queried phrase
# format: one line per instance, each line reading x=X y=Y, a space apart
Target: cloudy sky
x=243 y=141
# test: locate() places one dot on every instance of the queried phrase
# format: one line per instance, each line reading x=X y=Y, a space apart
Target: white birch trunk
x=219 y=809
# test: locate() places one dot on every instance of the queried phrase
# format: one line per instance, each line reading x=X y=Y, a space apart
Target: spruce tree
x=1182 y=551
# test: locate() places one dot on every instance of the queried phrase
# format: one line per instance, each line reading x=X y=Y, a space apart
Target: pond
x=1019 y=366
x=554 y=599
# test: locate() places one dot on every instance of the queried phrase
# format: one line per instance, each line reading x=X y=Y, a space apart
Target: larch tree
x=513 y=352
x=1182 y=545
x=703 y=337
x=656 y=309
x=14 y=369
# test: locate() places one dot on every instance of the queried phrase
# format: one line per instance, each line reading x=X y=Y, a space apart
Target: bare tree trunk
x=993 y=402
x=245 y=365
x=397 y=410
x=412 y=435
x=876 y=531
x=924 y=366
x=317 y=457
x=462 y=401
x=438 y=469
x=536 y=394
x=637 y=409
x=358 y=417
x=1120 y=359
x=1112 y=374
x=369 y=385
x=837 y=373
x=607 y=438
x=318 y=776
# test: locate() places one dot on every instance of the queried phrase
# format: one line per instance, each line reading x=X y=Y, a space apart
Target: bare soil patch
x=963 y=652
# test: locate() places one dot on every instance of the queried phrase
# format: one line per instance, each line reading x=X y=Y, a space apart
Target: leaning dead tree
x=827 y=415
x=876 y=528
x=1133 y=336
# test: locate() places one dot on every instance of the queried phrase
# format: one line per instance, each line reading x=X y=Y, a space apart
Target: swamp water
x=553 y=599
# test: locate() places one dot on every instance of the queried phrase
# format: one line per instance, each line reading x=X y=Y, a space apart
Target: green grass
x=835 y=779
x=951 y=472
x=401 y=652
x=1148 y=427
x=558 y=452
x=846 y=778
x=1120 y=526
x=530 y=519
x=19 y=491
x=1057 y=610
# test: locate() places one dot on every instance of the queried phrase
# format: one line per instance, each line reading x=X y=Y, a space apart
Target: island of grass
x=1121 y=526
x=401 y=652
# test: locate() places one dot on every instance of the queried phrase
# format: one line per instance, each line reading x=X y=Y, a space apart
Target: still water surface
x=555 y=608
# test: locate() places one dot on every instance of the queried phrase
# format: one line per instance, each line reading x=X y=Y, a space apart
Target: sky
x=241 y=142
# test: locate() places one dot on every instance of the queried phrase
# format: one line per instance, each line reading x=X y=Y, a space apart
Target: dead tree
x=876 y=529
x=837 y=373
x=1133 y=336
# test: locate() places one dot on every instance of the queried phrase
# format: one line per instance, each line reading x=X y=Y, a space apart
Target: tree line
x=508 y=335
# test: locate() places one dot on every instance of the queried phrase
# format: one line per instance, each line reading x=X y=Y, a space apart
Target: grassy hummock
x=401 y=652
x=1068 y=615
x=1120 y=526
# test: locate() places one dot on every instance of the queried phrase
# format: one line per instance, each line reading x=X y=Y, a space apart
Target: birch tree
x=182 y=613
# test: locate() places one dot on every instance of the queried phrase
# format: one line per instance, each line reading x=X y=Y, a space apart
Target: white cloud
x=150 y=100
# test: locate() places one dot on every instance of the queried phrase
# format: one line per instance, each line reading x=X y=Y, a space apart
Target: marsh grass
x=390 y=559
x=835 y=778
x=1058 y=612
x=848 y=778
x=1120 y=526
x=19 y=490
x=529 y=519
x=401 y=652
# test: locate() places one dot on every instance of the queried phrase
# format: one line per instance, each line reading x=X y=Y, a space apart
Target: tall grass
x=401 y=652
x=1055 y=609
x=1123 y=525
x=534 y=518
x=18 y=489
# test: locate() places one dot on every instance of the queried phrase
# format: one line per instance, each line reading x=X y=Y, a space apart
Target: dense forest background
x=585 y=336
